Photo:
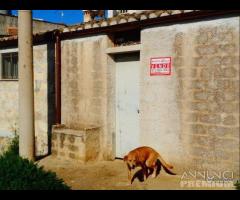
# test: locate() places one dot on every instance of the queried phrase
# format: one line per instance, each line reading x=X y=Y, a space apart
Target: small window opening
x=10 y=65
x=125 y=38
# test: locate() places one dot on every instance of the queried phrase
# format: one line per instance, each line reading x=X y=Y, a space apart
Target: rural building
x=114 y=13
x=9 y=23
x=165 y=79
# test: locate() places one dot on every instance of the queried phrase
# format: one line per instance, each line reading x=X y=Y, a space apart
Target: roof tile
x=153 y=15
x=120 y=19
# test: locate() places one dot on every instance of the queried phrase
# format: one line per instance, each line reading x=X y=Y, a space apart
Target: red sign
x=160 y=66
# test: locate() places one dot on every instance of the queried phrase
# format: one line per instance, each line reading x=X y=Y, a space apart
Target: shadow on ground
x=139 y=175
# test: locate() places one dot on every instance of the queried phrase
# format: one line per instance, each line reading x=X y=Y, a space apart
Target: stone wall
x=42 y=92
x=9 y=108
x=43 y=70
x=209 y=95
x=192 y=116
x=78 y=145
x=160 y=122
x=85 y=85
x=4 y=143
x=7 y=21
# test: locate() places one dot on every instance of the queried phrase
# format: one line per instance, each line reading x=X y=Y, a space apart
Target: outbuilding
x=168 y=79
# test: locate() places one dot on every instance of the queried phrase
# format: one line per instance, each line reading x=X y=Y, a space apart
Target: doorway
x=127 y=102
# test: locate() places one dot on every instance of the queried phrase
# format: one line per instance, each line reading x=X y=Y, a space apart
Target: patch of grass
x=17 y=173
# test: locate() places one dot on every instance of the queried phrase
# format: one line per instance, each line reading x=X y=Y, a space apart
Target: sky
x=68 y=17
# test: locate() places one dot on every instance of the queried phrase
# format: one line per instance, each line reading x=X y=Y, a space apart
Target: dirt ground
x=108 y=175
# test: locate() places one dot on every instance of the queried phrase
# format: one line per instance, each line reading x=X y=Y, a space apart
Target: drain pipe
x=57 y=78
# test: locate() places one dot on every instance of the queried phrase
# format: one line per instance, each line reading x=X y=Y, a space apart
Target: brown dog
x=146 y=158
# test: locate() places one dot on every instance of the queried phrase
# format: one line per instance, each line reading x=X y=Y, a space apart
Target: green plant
x=237 y=184
x=14 y=145
x=17 y=173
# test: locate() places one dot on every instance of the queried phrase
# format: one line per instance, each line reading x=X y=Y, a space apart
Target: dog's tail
x=166 y=166
x=118 y=158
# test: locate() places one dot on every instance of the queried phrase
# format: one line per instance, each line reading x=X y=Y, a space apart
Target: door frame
x=137 y=54
x=110 y=135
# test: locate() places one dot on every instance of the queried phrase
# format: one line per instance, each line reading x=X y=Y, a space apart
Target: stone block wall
x=192 y=116
x=85 y=77
x=43 y=57
x=79 y=145
x=208 y=75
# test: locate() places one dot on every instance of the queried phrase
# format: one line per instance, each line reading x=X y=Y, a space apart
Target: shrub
x=17 y=173
x=14 y=146
x=237 y=184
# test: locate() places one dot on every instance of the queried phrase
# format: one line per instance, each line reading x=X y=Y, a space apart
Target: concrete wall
x=4 y=144
x=192 y=116
x=160 y=122
x=85 y=85
x=12 y=21
x=9 y=107
x=9 y=100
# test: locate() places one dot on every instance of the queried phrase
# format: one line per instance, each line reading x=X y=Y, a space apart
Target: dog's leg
x=145 y=171
x=129 y=175
x=154 y=174
x=151 y=164
x=129 y=172
x=154 y=168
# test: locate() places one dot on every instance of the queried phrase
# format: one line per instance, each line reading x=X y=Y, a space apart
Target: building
x=165 y=79
x=9 y=23
x=114 y=13
x=90 y=15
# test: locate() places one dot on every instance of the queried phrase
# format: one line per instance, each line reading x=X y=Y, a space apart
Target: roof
x=34 y=19
x=125 y=21
x=124 y=18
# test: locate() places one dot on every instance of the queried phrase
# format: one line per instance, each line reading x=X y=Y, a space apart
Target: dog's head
x=130 y=160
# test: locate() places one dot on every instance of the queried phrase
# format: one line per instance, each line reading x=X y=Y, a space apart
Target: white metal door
x=127 y=103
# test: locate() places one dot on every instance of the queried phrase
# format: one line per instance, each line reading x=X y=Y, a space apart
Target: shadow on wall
x=50 y=94
x=50 y=90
